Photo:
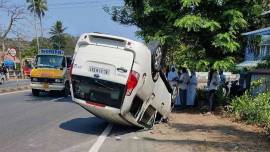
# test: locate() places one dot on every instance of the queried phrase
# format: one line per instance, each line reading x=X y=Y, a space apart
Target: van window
x=49 y=61
x=98 y=91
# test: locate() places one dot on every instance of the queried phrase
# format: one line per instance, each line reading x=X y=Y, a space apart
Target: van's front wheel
x=156 y=63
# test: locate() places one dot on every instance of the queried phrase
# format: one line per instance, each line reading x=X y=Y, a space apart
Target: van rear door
x=103 y=62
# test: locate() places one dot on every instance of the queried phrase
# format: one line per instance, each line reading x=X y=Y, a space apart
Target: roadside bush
x=253 y=110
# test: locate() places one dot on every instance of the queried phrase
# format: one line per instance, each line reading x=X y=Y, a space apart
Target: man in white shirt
x=183 y=86
x=214 y=79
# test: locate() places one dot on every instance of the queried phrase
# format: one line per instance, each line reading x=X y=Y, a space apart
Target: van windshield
x=50 y=61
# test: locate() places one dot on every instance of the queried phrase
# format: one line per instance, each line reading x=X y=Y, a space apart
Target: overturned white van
x=119 y=80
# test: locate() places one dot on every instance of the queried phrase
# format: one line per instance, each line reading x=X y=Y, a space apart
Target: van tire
x=157 y=57
x=35 y=92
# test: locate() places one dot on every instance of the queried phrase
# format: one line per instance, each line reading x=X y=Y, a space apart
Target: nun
x=192 y=89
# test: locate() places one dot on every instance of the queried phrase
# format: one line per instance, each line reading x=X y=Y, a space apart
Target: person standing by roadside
x=192 y=89
x=5 y=71
x=172 y=77
x=214 y=80
x=183 y=86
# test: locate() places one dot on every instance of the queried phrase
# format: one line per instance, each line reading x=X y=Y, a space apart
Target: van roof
x=111 y=36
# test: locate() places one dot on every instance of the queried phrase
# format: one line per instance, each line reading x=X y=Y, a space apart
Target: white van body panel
x=100 y=57
x=106 y=54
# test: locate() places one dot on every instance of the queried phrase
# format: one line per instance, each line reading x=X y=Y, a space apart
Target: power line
x=81 y=3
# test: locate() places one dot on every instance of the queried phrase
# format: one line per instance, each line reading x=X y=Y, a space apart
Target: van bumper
x=108 y=113
x=49 y=87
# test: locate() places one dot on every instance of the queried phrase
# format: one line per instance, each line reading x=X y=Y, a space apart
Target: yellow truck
x=51 y=72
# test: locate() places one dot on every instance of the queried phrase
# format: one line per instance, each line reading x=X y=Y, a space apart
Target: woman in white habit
x=192 y=89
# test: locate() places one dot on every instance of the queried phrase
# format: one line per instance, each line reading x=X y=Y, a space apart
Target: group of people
x=187 y=83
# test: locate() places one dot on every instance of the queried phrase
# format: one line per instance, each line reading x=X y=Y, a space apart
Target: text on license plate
x=99 y=70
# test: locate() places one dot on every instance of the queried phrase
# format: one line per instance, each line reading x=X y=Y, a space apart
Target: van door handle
x=122 y=70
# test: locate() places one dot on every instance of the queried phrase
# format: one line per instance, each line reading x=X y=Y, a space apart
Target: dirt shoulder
x=19 y=88
x=190 y=131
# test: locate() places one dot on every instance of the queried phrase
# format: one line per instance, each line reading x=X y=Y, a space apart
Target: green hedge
x=253 y=110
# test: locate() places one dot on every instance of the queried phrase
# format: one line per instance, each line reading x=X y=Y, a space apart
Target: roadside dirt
x=4 y=90
x=188 y=131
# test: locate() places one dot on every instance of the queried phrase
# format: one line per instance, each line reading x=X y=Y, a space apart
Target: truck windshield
x=50 y=61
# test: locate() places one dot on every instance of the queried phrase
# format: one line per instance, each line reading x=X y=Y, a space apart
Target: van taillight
x=132 y=82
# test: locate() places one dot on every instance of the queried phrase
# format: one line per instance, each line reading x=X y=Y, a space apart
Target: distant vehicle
x=2 y=78
x=119 y=80
x=27 y=67
x=51 y=72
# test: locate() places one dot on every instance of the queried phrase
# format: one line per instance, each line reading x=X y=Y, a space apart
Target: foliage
x=57 y=35
x=209 y=30
x=70 y=43
x=38 y=6
x=265 y=64
x=254 y=110
x=31 y=50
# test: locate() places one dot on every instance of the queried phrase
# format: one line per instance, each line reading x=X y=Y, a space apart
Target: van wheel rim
x=158 y=57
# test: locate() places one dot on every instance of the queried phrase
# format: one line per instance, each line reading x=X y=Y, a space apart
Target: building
x=256 y=54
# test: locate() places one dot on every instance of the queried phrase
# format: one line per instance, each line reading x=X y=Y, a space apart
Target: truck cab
x=50 y=73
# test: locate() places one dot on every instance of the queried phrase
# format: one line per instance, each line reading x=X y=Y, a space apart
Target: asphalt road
x=48 y=124
x=14 y=83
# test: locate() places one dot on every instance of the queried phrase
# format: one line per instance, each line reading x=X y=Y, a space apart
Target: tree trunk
x=3 y=50
x=41 y=30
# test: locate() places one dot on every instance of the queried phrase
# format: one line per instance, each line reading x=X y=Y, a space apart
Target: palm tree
x=57 y=35
x=38 y=7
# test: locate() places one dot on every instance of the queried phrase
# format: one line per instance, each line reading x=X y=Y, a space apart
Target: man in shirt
x=214 y=84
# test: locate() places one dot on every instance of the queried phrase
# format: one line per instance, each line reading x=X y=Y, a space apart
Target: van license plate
x=99 y=70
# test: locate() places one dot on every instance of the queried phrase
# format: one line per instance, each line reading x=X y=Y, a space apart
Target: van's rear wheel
x=35 y=92
x=157 y=57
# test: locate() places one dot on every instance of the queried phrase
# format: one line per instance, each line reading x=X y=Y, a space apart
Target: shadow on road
x=91 y=125
x=119 y=130
x=95 y=126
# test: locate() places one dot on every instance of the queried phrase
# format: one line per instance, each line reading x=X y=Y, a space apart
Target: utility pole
x=36 y=24
x=20 y=56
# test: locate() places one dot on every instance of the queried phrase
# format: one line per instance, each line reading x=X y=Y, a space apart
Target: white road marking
x=57 y=99
x=97 y=145
x=2 y=94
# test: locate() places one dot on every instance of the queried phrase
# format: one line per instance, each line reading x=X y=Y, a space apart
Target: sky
x=79 y=16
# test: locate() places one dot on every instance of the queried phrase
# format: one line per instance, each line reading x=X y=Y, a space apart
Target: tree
x=39 y=7
x=14 y=13
x=209 y=30
x=57 y=35
x=70 y=43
